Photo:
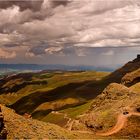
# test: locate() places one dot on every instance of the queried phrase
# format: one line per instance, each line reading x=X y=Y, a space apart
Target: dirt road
x=121 y=122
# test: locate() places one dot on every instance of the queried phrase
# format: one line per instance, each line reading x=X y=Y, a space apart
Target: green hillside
x=40 y=93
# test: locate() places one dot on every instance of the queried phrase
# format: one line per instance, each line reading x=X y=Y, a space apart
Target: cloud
x=29 y=54
x=67 y=27
x=6 y=54
x=53 y=50
x=31 y=4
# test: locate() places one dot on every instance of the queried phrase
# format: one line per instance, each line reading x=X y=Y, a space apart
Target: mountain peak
x=137 y=59
x=138 y=56
x=131 y=66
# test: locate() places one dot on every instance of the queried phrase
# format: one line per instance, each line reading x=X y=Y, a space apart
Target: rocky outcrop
x=3 y=131
x=112 y=93
x=19 y=127
x=131 y=78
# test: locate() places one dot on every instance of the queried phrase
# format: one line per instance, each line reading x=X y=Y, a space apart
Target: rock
x=131 y=78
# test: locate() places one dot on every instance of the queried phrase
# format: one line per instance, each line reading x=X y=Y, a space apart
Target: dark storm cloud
x=50 y=49
x=56 y=3
x=10 y=45
x=69 y=50
x=38 y=50
x=34 y=5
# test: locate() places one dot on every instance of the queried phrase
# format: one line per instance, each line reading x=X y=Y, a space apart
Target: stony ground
x=19 y=127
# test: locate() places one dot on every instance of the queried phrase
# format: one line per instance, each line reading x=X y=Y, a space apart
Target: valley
x=97 y=104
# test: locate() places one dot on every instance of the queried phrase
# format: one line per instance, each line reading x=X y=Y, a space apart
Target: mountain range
x=54 y=67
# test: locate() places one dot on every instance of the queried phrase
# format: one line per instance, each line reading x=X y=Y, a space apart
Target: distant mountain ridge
x=54 y=67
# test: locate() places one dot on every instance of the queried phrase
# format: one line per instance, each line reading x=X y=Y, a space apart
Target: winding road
x=121 y=122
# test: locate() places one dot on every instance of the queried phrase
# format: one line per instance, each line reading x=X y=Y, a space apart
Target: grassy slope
x=54 y=80
x=136 y=87
x=61 y=91
x=19 y=127
x=74 y=112
x=71 y=112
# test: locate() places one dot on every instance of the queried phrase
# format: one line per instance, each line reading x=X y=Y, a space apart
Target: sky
x=70 y=32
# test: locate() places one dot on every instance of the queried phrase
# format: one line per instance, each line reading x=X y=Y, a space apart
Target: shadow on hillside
x=17 y=87
x=71 y=90
x=83 y=90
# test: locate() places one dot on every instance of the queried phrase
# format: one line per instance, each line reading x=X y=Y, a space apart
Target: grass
x=73 y=77
x=57 y=104
x=55 y=119
x=61 y=91
x=54 y=80
x=136 y=87
x=73 y=112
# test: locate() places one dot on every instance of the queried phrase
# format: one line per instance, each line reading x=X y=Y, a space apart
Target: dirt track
x=121 y=122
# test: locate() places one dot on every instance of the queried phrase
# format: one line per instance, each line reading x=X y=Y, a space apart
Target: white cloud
x=29 y=54
x=52 y=50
